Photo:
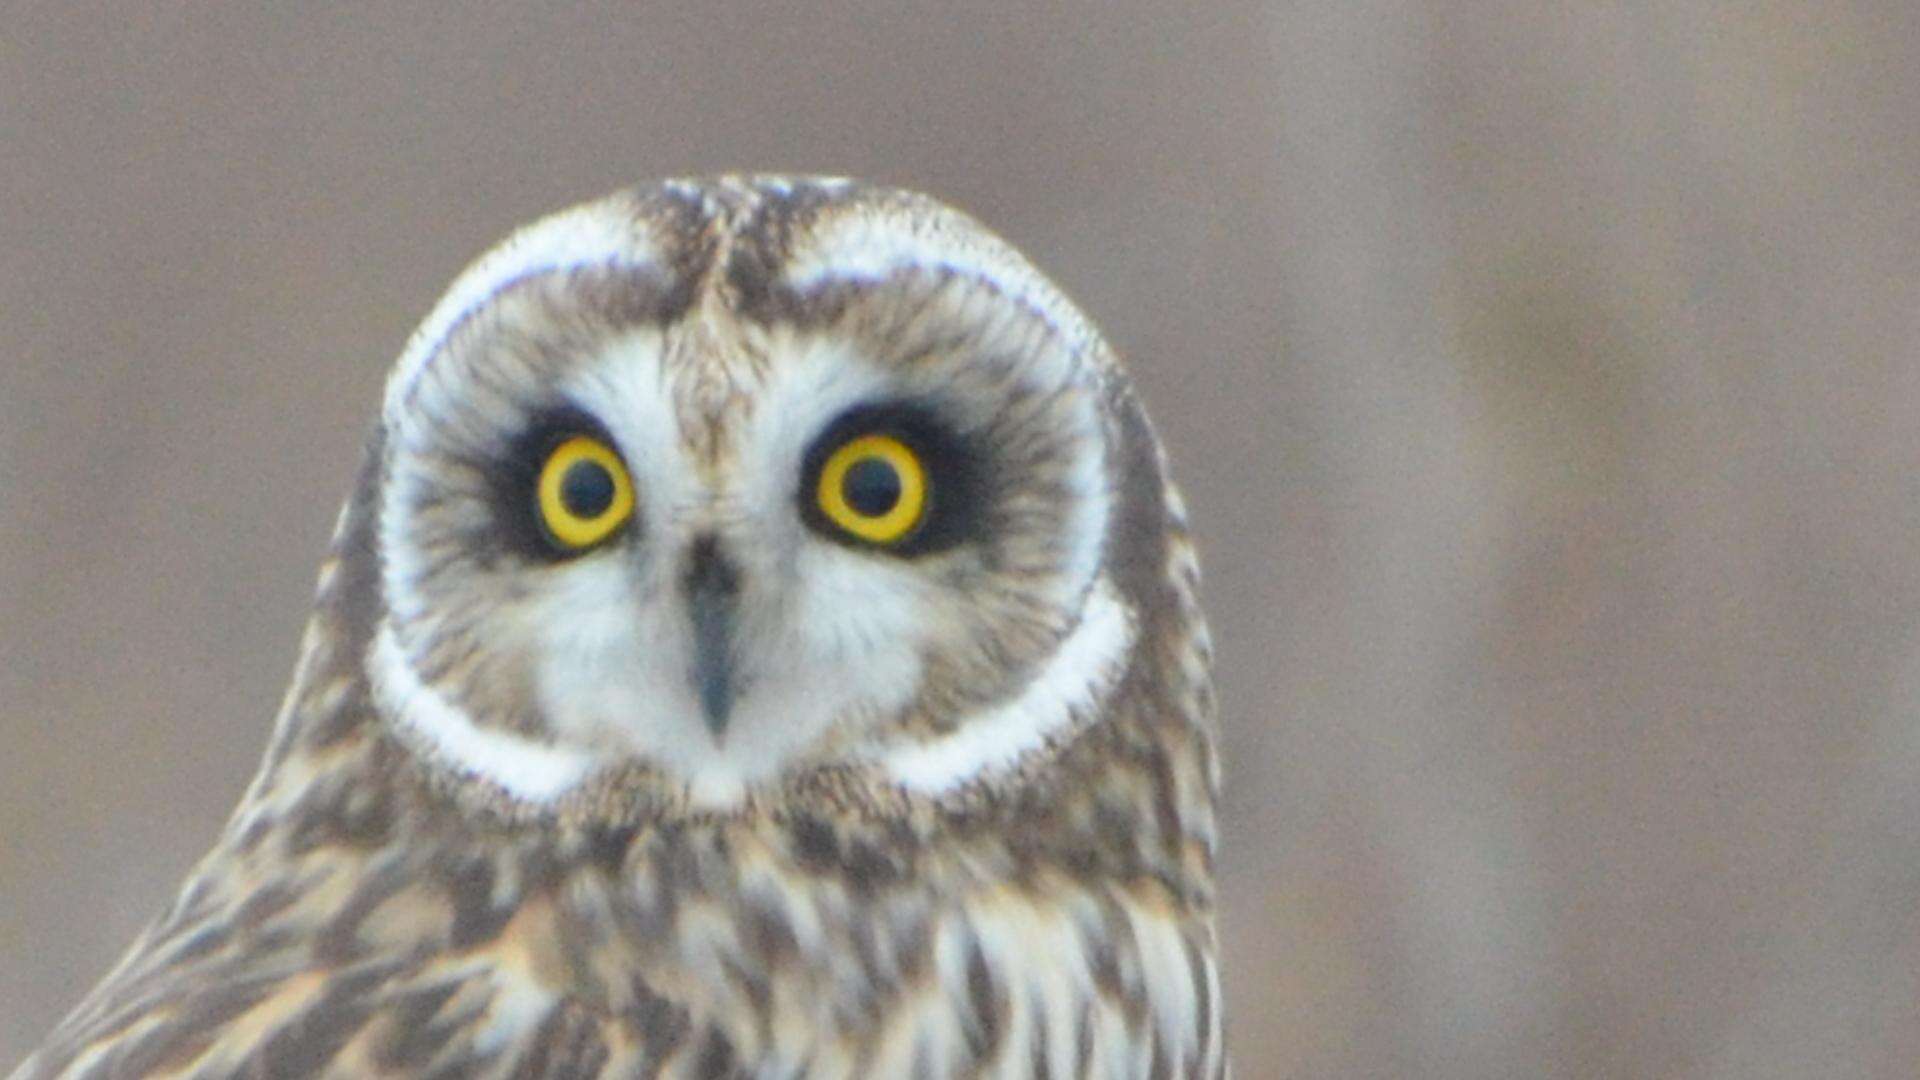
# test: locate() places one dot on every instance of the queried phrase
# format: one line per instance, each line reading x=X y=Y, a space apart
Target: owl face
x=722 y=484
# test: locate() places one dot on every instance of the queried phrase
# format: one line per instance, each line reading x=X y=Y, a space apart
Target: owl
x=763 y=640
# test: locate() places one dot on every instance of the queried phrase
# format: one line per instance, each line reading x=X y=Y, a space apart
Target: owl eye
x=873 y=488
x=584 y=494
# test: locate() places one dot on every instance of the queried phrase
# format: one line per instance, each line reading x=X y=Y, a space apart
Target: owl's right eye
x=583 y=495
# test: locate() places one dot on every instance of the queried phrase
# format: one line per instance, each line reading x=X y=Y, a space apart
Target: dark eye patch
x=515 y=476
x=956 y=480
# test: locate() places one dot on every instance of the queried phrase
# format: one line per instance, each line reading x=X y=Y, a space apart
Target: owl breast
x=724 y=950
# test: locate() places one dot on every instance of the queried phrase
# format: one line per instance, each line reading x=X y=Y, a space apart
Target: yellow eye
x=584 y=493
x=875 y=488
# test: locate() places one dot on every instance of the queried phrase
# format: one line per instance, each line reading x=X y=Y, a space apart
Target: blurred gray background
x=1542 y=376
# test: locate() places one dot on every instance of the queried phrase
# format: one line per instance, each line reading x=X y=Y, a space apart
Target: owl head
x=701 y=493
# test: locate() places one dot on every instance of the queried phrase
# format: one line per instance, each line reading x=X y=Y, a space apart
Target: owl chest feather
x=785 y=971
x=797 y=948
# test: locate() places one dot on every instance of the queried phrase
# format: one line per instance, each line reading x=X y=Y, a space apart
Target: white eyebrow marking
x=536 y=772
x=603 y=233
x=1078 y=676
x=870 y=245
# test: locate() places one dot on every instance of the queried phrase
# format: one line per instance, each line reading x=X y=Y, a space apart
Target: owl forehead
x=741 y=277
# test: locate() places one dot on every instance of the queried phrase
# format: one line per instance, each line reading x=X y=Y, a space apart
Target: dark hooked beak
x=712 y=587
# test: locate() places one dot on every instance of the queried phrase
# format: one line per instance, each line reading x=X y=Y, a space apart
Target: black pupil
x=587 y=489
x=871 y=487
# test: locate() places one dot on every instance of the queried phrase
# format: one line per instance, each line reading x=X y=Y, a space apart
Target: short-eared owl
x=762 y=642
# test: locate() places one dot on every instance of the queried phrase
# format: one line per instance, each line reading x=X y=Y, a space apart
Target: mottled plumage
x=732 y=788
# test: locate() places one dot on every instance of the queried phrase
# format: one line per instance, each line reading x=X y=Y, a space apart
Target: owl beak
x=712 y=588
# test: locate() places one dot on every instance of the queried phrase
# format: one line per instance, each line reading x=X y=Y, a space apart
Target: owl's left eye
x=584 y=494
x=894 y=478
x=873 y=488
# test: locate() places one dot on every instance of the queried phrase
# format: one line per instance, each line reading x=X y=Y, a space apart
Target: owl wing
x=473 y=1017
